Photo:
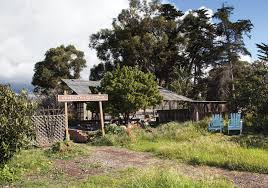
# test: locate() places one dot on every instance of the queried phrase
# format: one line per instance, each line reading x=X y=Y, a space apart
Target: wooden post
x=66 y=119
x=101 y=118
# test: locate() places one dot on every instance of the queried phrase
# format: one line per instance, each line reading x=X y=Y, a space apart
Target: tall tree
x=60 y=62
x=199 y=50
x=145 y=35
x=263 y=52
x=230 y=40
x=219 y=79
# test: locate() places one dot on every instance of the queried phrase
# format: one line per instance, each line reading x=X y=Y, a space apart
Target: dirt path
x=106 y=159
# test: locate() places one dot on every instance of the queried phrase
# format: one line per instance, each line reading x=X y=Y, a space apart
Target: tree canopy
x=160 y=39
x=60 y=62
x=129 y=90
x=230 y=42
x=144 y=35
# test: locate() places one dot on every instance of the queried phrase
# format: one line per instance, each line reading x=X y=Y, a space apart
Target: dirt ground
x=106 y=159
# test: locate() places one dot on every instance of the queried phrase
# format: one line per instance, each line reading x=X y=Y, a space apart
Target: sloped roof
x=81 y=87
x=172 y=96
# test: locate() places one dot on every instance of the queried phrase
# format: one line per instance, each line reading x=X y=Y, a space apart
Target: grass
x=191 y=143
x=188 y=143
x=38 y=162
x=152 y=178
x=67 y=150
x=35 y=168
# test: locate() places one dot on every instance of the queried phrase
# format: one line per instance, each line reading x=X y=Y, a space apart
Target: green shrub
x=252 y=141
x=15 y=123
x=101 y=141
x=175 y=131
x=255 y=123
x=114 y=129
x=61 y=147
x=67 y=150
x=121 y=139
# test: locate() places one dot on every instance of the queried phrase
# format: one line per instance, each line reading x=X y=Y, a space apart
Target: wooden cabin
x=173 y=108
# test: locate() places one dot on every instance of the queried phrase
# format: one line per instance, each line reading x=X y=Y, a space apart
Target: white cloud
x=28 y=28
x=209 y=11
x=245 y=58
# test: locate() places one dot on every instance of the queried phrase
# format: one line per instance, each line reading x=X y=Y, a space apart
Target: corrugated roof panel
x=172 y=96
x=81 y=86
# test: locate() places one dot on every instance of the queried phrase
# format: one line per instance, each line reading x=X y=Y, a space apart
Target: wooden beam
x=66 y=119
x=101 y=118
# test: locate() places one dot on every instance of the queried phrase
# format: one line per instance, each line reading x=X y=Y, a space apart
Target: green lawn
x=191 y=143
x=36 y=168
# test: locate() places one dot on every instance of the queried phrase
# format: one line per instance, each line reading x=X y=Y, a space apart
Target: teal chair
x=235 y=123
x=216 y=123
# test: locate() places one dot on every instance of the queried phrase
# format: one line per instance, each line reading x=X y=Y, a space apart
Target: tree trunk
x=126 y=118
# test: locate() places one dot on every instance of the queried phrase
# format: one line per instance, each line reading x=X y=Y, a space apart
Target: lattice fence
x=49 y=129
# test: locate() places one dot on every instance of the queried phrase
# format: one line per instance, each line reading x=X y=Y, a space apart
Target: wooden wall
x=179 y=115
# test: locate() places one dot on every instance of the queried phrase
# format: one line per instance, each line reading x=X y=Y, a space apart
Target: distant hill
x=17 y=87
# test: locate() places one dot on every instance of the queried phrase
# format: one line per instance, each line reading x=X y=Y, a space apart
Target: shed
x=171 y=100
x=174 y=107
x=81 y=87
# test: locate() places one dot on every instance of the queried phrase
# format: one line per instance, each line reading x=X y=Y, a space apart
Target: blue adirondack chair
x=235 y=123
x=216 y=123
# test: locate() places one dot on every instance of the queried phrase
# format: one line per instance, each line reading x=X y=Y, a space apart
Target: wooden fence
x=49 y=127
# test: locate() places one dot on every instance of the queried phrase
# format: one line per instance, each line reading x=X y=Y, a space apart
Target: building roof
x=81 y=87
x=220 y=102
x=172 y=96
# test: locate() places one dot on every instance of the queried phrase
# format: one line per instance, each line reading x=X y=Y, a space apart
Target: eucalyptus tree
x=145 y=35
x=230 y=40
x=199 y=52
x=60 y=62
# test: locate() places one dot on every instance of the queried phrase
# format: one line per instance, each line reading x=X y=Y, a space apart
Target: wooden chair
x=235 y=123
x=216 y=123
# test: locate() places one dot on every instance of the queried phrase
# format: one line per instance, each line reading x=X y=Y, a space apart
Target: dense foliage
x=15 y=124
x=251 y=94
x=129 y=90
x=173 y=45
x=60 y=62
x=194 y=53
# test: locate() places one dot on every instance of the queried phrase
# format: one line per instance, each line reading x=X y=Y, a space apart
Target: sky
x=28 y=28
